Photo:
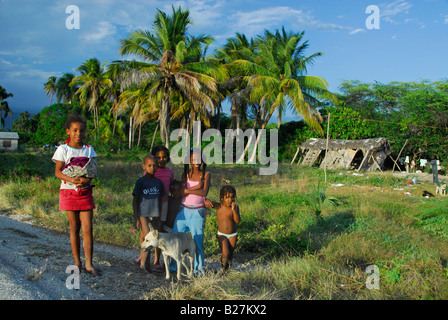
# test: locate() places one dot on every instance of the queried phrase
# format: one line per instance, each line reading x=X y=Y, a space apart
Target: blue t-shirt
x=150 y=191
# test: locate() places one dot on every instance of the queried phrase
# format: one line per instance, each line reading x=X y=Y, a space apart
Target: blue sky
x=411 y=43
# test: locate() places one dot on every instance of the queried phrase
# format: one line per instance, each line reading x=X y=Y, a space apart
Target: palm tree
x=114 y=91
x=109 y=126
x=92 y=81
x=141 y=109
x=65 y=91
x=171 y=67
x=235 y=87
x=277 y=79
x=4 y=107
x=50 y=87
x=23 y=123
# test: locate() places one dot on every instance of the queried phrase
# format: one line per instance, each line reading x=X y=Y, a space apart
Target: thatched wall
x=341 y=153
x=365 y=144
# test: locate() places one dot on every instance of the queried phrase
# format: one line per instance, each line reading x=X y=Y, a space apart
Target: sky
x=408 y=41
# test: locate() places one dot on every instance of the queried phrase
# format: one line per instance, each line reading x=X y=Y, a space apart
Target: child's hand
x=77 y=182
x=208 y=204
x=81 y=181
x=234 y=206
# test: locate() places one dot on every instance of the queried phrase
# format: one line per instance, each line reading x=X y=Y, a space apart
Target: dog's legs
x=184 y=256
x=167 y=269
x=191 y=255
x=179 y=265
x=191 y=258
x=189 y=269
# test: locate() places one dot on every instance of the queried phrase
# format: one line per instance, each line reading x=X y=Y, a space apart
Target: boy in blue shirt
x=147 y=193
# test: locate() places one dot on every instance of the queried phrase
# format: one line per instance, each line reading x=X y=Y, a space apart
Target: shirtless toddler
x=228 y=215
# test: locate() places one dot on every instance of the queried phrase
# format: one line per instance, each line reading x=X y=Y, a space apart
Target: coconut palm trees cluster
x=171 y=76
x=5 y=110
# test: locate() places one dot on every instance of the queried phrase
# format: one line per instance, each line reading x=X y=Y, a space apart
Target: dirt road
x=33 y=263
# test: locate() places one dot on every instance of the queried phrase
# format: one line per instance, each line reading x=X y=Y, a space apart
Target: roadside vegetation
x=294 y=250
x=303 y=238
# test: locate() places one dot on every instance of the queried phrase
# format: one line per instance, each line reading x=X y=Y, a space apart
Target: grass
x=298 y=247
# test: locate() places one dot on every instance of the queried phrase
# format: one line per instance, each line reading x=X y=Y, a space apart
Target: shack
x=9 y=141
x=366 y=154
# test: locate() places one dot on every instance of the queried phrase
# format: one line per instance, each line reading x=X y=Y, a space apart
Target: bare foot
x=92 y=271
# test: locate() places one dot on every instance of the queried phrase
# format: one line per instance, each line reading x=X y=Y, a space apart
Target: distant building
x=366 y=155
x=9 y=141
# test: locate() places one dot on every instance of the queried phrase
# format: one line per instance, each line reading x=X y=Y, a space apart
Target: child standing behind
x=75 y=194
x=166 y=175
x=148 y=192
x=228 y=215
x=174 y=202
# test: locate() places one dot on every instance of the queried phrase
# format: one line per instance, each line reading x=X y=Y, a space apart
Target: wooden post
x=326 y=149
x=295 y=155
x=393 y=169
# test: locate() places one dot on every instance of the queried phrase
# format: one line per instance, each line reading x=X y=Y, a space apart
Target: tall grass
x=298 y=247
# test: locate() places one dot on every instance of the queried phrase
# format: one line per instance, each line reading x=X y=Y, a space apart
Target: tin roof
x=365 y=144
x=9 y=135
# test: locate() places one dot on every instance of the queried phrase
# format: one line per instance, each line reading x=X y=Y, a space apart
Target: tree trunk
x=257 y=118
x=154 y=136
x=139 y=134
x=219 y=116
x=131 y=124
x=115 y=119
x=233 y=116
x=165 y=114
x=254 y=153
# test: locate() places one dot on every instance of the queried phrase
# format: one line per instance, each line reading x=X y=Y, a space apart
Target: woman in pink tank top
x=191 y=216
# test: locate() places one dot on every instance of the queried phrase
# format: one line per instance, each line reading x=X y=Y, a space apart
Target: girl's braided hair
x=202 y=167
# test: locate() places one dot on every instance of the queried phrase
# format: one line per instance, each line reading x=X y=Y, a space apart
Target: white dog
x=175 y=245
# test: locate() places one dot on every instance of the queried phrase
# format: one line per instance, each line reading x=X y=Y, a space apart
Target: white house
x=9 y=141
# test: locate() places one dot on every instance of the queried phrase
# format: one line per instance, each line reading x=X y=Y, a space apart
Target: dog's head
x=151 y=240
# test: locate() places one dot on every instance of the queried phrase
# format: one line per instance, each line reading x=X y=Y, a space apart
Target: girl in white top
x=75 y=195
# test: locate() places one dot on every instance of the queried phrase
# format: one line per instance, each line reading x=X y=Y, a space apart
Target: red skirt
x=72 y=200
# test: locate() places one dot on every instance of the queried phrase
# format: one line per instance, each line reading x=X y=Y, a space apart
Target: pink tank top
x=192 y=200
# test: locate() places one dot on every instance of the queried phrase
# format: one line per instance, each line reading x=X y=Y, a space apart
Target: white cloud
x=15 y=70
x=389 y=11
x=358 y=31
x=445 y=21
x=103 y=30
x=254 y=22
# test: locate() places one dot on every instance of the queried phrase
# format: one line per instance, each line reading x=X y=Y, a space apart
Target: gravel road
x=33 y=263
